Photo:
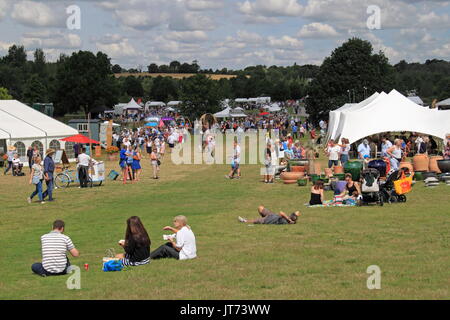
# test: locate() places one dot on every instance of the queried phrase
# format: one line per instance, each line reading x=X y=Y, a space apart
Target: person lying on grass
x=136 y=244
x=54 y=246
x=181 y=245
x=268 y=217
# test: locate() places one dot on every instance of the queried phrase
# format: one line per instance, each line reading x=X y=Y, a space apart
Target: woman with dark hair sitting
x=136 y=244
x=317 y=197
x=352 y=188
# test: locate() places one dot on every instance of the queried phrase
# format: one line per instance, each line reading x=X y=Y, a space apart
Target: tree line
x=85 y=80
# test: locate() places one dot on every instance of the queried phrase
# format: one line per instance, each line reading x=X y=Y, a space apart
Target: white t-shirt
x=186 y=241
x=334 y=152
x=83 y=160
x=237 y=153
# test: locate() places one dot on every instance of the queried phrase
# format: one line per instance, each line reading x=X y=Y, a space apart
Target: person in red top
x=313 y=136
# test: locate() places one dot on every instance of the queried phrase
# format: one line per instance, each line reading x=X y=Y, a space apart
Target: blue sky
x=226 y=33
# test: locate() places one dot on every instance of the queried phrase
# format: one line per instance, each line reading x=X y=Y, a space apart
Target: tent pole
x=89 y=131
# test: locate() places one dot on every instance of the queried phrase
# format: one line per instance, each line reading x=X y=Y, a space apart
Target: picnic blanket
x=331 y=203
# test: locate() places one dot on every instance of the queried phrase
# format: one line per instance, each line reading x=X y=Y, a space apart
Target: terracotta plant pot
x=292 y=176
x=290 y=181
x=317 y=168
x=433 y=165
x=407 y=165
x=421 y=162
x=298 y=169
x=338 y=169
x=444 y=165
x=328 y=172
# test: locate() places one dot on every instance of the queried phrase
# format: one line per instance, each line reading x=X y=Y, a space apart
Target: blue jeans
x=332 y=162
x=9 y=167
x=344 y=159
x=49 y=191
x=39 y=269
x=38 y=191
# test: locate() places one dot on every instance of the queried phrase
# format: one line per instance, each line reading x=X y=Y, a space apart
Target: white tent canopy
x=275 y=107
x=224 y=113
x=236 y=113
x=174 y=103
x=443 y=103
x=416 y=99
x=392 y=113
x=241 y=100
x=23 y=126
x=335 y=115
x=132 y=105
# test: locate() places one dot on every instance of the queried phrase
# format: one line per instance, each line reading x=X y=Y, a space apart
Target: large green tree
x=350 y=68
x=200 y=95
x=85 y=80
x=34 y=90
x=133 y=87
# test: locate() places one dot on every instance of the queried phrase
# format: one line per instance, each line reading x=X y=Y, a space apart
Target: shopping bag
x=403 y=186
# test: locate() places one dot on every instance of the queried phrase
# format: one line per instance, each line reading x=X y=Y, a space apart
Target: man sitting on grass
x=268 y=217
x=181 y=245
x=54 y=247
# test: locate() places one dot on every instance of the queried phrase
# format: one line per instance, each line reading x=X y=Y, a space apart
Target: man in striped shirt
x=54 y=248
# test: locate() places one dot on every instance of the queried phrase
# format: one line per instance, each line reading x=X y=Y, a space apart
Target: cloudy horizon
x=226 y=33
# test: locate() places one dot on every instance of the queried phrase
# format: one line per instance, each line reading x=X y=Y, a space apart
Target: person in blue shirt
x=295 y=131
x=123 y=163
x=364 y=149
x=49 y=169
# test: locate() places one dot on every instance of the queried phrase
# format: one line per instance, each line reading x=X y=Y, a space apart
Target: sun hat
x=49 y=151
x=11 y=148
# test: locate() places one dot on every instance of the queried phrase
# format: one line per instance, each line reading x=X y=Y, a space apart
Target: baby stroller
x=17 y=170
x=370 y=187
x=388 y=189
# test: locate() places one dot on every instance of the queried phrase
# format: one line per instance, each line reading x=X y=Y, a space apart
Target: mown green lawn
x=324 y=256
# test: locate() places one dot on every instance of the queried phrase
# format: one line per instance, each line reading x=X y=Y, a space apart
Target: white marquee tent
x=444 y=104
x=174 y=103
x=225 y=113
x=23 y=126
x=335 y=115
x=132 y=105
x=392 y=112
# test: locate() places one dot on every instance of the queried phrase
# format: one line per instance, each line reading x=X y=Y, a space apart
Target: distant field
x=174 y=75
x=324 y=256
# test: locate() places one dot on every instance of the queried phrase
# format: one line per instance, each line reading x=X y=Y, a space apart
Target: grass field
x=324 y=256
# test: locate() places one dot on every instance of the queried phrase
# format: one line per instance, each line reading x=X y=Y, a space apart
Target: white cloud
x=187 y=36
x=4 y=6
x=271 y=8
x=139 y=19
x=38 y=14
x=443 y=51
x=285 y=42
x=118 y=50
x=317 y=30
x=54 y=40
x=200 y=5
